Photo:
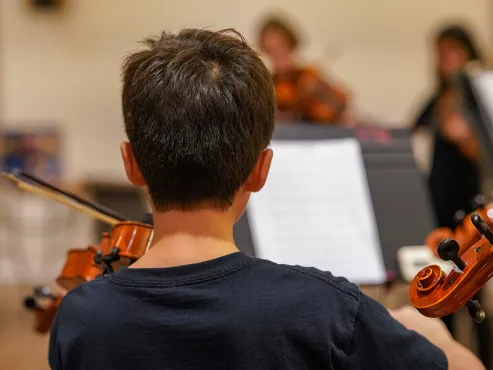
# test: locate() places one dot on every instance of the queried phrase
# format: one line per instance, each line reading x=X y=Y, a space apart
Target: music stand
x=398 y=191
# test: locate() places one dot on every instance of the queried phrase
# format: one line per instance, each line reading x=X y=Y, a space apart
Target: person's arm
x=435 y=331
x=456 y=128
x=320 y=100
x=381 y=342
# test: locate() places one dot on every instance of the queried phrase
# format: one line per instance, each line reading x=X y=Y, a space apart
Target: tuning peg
x=476 y=311
x=43 y=291
x=459 y=217
x=482 y=226
x=148 y=219
x=448 y=250
x=479 y=201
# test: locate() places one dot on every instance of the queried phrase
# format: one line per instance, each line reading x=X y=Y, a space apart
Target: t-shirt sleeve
x=381 y=342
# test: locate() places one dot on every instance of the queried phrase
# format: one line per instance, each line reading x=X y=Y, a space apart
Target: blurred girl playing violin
x=301 y=91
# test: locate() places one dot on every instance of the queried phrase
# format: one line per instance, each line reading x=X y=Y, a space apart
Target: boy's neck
x=182 y=238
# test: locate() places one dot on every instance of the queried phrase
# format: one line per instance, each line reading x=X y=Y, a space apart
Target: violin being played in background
x=304 y=95
x=436 y=294
x=126 y=242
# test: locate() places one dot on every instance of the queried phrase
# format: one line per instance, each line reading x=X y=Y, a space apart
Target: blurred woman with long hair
x=455 y=177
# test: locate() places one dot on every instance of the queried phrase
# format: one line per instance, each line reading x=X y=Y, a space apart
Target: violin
x=44 y=305
x=80 y=265
x=307 y=95
x=126 y=242
x=465 y=233
x=436 y=294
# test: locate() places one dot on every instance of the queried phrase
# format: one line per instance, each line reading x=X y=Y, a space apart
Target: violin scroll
x=436 y=294
x=429 y=277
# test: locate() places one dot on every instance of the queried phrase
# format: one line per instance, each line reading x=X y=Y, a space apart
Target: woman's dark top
x=454 y=180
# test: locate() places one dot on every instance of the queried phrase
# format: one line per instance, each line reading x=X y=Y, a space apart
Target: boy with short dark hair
x=199 y=114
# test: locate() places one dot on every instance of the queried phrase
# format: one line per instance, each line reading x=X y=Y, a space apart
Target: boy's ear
x=131 y=168
x=258 y=177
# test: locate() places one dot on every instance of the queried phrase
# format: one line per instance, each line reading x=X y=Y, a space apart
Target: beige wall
x=66 y=69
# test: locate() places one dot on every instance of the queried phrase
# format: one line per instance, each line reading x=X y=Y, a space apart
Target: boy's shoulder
x=268 y=274
x=315 y=277
x=261 y=287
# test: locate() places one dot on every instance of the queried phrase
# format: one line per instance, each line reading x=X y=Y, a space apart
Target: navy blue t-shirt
x=234 y=312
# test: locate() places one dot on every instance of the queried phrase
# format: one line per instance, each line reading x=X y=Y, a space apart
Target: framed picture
x=35 y=151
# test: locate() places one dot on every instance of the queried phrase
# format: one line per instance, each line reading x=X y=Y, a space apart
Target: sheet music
x=316 y=210
x=484 y=84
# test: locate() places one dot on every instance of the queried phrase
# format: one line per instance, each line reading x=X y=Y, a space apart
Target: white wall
x=65 y=69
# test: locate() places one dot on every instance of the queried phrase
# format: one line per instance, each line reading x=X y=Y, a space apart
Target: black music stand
x=398 y=190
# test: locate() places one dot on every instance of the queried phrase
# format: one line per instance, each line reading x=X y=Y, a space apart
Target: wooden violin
x=125 y=243
x=465 y=233
x=130 y=241
x=79 y=268
x=44 y=305
x=436 y=294
x=305 y=93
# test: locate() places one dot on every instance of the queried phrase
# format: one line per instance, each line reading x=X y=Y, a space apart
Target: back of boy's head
x=198 y=110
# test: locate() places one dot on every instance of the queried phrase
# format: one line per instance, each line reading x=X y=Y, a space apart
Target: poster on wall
x=35 y=150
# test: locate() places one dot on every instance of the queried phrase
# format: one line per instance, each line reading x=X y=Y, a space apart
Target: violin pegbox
x=436 y=294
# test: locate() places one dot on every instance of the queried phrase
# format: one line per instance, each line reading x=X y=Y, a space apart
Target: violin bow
x=70 y=200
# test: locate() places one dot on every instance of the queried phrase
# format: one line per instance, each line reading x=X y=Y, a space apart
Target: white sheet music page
x=484 y=84
x=316 y=211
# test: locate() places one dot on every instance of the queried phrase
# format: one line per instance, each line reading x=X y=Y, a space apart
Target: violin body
x=304 y=93
x=79 y=268
x=44 y=305
x=465 y=233
x=436 y=236
x=80 y=265
x=43 y=317
x=128 y=240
